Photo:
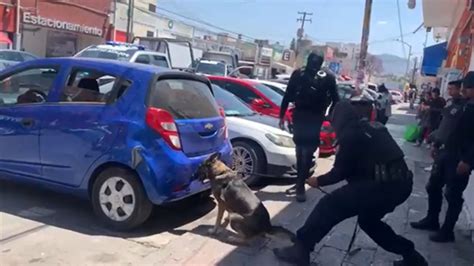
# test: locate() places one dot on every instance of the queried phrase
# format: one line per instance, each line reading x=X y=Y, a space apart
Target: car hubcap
x=242 y=162
x=117 y=199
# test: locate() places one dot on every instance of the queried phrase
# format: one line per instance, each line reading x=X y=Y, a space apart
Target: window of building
x=150 y=33
x=152 y=8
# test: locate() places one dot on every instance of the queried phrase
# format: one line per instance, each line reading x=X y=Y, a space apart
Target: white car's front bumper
x=282 y=161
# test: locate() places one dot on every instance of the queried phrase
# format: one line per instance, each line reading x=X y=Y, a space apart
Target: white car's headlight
x=280 y=140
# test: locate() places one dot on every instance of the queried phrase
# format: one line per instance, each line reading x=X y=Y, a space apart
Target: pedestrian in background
x=454 y=161
x=385 y=104
x=312 y=90
x=424 y=118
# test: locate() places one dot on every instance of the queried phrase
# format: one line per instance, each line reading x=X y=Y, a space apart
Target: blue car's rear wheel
x=119 y=200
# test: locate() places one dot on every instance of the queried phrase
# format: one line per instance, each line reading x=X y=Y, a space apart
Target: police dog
x=247 y=215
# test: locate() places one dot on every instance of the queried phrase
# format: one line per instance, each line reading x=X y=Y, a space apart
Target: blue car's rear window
x=184 y=99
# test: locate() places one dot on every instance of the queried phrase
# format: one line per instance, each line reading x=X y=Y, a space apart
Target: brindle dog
x=247 y=215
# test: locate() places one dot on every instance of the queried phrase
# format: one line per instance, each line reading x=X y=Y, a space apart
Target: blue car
x=126 y=136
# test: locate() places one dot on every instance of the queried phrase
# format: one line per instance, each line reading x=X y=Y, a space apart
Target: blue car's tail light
x=163 y=123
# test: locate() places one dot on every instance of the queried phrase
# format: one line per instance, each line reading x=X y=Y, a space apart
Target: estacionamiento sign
x=31 y=19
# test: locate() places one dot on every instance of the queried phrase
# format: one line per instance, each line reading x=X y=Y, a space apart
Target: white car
x=285 y=77
x=260 y=147
x=125 y=52
x=213 y=68
x=277 y=87
x=397 y=96
x=13 y=57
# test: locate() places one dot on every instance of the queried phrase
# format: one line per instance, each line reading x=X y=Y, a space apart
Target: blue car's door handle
x=27 y=122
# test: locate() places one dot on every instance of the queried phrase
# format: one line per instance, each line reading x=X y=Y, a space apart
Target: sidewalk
x=43 y=228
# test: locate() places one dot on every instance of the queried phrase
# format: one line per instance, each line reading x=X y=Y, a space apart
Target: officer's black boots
x=427 y=223
x=296 y=254
x=443 y=236
x=412 y=259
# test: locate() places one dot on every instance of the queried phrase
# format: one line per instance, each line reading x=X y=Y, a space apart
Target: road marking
x=23 y=234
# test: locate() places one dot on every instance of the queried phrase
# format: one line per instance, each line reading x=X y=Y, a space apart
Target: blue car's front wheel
x=118 y=198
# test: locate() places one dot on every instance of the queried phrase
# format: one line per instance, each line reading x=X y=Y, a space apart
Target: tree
x=293 y=44
x=374 y=65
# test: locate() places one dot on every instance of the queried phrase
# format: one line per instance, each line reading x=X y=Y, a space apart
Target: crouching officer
x=454 y=161
x=312 y=90
x=378 y=181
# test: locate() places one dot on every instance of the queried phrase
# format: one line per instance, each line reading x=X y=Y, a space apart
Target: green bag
x=412 y=133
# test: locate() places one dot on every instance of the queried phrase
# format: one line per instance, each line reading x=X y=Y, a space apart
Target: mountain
x=393 y=64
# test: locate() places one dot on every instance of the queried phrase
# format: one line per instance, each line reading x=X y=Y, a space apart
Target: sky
x=332 y=20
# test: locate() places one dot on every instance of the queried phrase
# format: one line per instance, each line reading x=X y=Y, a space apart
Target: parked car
x=266 y=101
x=213 y=68
x=125 y=52
x=259 y=97
x=12 y=57
x=259 y=146
x=397 y=96
x=275 y=86
x=125 y=147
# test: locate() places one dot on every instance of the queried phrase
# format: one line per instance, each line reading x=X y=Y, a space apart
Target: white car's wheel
x=248 y=160
x=118 y=198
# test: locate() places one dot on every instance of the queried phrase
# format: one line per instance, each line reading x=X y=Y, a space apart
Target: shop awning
x=433 y=57
x=4 y=38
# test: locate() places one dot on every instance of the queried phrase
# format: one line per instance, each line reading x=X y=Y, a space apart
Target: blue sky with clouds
x=333 y=20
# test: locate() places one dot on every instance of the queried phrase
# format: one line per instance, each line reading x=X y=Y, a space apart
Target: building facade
x=62 y=28
x=7 y=23
x=453 y=22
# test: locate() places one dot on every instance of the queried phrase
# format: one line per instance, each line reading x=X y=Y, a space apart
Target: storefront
x=461 y=42
x=55 y=29
x=7 y=25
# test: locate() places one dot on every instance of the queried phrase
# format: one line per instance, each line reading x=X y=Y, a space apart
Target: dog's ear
x=214 y=157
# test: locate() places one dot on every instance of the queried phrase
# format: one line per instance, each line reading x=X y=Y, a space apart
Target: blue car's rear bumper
x=169 y=175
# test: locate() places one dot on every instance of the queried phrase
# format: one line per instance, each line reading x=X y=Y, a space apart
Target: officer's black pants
x=444 y=174
x=368 y=200
x=306 y=129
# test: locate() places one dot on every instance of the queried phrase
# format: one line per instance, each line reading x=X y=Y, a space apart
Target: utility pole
x=300 y=31
x=414 y=71
x=131 y=7
x=17 y=30
x=364 y=44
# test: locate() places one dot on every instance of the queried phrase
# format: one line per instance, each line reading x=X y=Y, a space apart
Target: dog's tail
x=281 y=232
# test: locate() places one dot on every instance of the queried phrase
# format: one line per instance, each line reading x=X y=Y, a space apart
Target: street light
x=409 y=54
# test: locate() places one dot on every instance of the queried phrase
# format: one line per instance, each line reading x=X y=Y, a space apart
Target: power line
x=304 y=19
x=204 y=22
x=400 y=28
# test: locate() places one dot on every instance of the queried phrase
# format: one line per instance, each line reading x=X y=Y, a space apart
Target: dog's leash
x=349 y=252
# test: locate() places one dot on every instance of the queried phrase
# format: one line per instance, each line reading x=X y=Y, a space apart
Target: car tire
x=120 y=191
x=242 y=151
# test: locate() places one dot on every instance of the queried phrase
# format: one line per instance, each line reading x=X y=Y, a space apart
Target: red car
x=266 y=101
x=259 y=97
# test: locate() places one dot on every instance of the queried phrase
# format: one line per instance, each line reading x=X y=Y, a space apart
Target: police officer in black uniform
x=454 y=161
x=378 y=181
x=312 y=90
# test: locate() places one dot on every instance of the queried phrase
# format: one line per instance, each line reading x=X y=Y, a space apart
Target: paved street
x=42 y=228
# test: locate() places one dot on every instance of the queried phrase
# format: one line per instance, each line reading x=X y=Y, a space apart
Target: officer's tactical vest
x=451 y=116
